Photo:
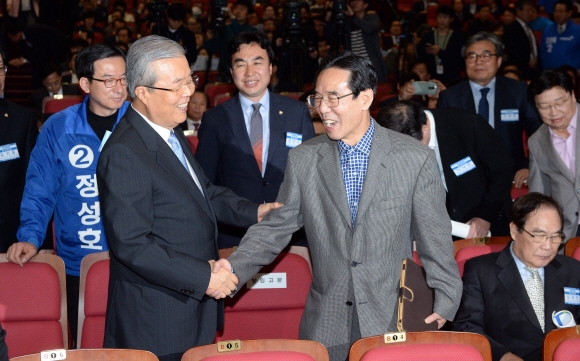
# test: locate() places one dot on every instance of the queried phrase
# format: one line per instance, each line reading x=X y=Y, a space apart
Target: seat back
x=93 y=292
x=213 y=89
x=572 y=246
x=467 y=253
x=274 y=304
x=562 y=344
x=259 y=350
x=418 y=346
x=193 y=140
x=30 y=328
x=51 y=106
x=103 y=354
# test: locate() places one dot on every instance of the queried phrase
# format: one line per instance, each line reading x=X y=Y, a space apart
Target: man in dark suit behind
x=509 y=296
x=506 y=106
x=18 y=131
x=160 y=214
x=478 y=194
x=52 y=86
x=225 y=151
x=520 y=43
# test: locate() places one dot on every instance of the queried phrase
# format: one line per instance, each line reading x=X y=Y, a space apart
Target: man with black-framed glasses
x=511 y=296
x=553 y=162
x=61 y=176
x=503 y=102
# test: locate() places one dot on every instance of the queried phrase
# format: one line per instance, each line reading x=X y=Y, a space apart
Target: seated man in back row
x=509 y=296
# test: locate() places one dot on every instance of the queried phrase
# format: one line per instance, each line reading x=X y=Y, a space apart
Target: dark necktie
x=256 y=134
x=483 y=108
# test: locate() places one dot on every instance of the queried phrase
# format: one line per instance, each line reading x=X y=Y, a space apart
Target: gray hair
x=142 y=53
x=484 y=36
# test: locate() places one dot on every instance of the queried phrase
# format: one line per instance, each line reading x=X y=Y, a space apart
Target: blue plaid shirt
x=354 y=161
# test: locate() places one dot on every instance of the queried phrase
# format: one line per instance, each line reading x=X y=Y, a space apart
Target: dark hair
x=244 y=38
x=120 y=3
x=12 y=26
x=405 y=116
x=362 y=71
x=446 y=10
x=176 y=11
x=245 y=3
x=510 y=10
x=129 y=31
x=205 y=95
x=407 y=77
x=3 y=55
x=549 y=79
x=78 y=43
x=484 y=6
x=86 y=58
x=512 y=71
x=567 y=68
x=88 y=14
x=484 y=36
x=48 y=69
x=519 y=4
x=567 y=3
x=527 y=204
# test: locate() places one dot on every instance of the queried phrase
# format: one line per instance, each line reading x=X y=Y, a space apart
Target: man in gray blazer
x=554 y=152
x=363 y=194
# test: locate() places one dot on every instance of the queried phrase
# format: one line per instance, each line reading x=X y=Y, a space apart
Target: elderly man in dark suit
x=226 y=148
x=363 y=193
x=509 y=297
x=503 y=102
x=160 y=214
x=475 y=169
x=554 y=158
x=18 y=133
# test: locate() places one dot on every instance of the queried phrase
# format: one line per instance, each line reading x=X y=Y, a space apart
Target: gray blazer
x=402 y=199
x=550 y=176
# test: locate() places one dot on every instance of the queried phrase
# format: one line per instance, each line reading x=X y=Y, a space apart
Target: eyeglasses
x=3 y=70
x=330 y=100
x=541 y=238
x=472 y=58
x=112 y=82
x=559 y=105
x=190 y=83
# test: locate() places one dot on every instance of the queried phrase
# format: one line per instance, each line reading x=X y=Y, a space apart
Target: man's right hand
x=407 y=91
x=21 y=252
x=222 y=282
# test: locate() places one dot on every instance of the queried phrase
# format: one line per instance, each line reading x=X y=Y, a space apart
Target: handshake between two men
x=223 y=281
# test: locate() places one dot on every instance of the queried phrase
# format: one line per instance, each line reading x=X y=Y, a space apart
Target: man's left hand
x=521 y=177
x=435 y=317
x=478 y=227
x=265 y=208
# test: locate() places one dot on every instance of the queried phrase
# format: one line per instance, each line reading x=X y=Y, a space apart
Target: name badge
x=293 y=139
x=572 y=296
x=105 y=138
x=510 y=115
x=8 y=152
x=463 y=166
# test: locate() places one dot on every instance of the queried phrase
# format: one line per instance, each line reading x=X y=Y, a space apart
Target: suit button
x=353 y=264
x=264 y=183
x=578 y=191
x=348 y=303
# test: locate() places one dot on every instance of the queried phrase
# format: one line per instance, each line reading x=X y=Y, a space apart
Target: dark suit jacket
x=49 y=45
x=162 y=232
x=3 y=348
x=37 y=97
x=509 y=94
x=450 y=57
x=517 y=48
x=495 y=303
x=17 y=125
x=225 y=153
x=483 y=192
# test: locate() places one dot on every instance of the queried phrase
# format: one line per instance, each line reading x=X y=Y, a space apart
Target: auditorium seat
x=259 y=350
x=33 y=304
x=275 y=308
x=93 y=292
x=213 y=89
x=103 y=354
x=572 y=248
x=562 y=344
x=51 y=106
x=422 y=346
x=473 y=247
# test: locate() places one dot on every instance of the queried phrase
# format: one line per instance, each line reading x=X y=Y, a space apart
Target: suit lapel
x=379 y=163
x=165 y=157
x=446 y=142
x=546 y=144
x=276 y=127
x=4 y=120
x=509 y=277
x=466 y=97
x=331 y=175
x=577 y=135
x=237 y=123
x=553 y=292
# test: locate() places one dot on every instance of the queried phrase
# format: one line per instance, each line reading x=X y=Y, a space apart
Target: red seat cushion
x=568 y=350
x=423 y=352
x=263 y=356
x=473 y=251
